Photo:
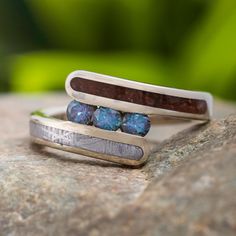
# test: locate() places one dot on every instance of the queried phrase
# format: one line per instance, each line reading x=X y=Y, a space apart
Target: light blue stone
x=80 y=113
x=135 y=123
x=107 y=118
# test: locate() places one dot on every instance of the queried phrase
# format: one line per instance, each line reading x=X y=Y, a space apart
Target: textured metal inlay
x=85 y=142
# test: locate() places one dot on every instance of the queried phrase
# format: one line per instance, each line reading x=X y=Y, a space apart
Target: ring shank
x=130 y=96
x=112 y=146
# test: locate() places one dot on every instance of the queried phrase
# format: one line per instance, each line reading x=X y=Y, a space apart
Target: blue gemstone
x=134 y=123
x=107 y=118
x=80 y=113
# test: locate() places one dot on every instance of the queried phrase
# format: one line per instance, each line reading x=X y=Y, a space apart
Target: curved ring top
x=131 y=96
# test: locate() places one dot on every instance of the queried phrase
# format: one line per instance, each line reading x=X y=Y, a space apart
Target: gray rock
x=187 y=188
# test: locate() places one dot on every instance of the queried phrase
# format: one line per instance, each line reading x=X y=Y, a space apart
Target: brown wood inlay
x=157 y=100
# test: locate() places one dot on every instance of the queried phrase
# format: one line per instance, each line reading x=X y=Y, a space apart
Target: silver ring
x=50 y=127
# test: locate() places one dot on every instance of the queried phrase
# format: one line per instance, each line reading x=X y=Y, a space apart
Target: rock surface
x=187 y=188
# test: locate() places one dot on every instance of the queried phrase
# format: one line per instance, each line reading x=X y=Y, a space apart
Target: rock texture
x=187 y=188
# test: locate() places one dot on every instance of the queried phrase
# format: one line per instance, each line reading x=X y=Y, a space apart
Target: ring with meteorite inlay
x=50 y=128
x=109 y=117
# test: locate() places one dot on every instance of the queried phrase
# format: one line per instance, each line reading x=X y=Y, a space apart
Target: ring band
x=112 y=104
x=130 y=96
x=47 y=128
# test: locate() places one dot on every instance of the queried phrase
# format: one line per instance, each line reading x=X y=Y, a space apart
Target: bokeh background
x=187 y=44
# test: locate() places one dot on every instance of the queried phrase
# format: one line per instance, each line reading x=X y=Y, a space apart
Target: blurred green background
x=187 y=44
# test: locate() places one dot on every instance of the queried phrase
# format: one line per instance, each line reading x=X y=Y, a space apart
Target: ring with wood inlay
x=109 y=117
x=130 y=96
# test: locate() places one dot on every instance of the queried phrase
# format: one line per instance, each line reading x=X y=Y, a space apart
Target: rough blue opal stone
x=80 y=113
x=134 y=123
x=107 y=118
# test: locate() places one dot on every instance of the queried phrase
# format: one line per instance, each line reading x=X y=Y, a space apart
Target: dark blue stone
x=134 y=123
x=80 y=113
x=107 y=118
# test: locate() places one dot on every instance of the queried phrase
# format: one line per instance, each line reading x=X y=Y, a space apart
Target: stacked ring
x=108 y=117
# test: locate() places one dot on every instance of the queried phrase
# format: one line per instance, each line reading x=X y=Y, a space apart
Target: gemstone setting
x=107 y=118
x=135 y=123
x=80 y=113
